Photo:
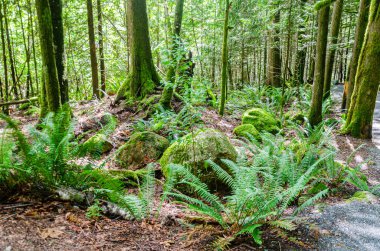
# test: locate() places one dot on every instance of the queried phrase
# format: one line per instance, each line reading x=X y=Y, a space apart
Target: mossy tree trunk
x=142 y=78
x=171 y=74
x=91 y=40
x=335 y=25
x=5 y=63
x=315 y=116
x=363 y=101
x=274 y=54
x=223 y=95
x=301 y=51
x=101 y=49
x=59 y=46
x=361 y=25
x=50 y=93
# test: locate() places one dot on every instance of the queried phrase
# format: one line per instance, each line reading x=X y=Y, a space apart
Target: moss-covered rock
x=261 y=120
x=194 y=149
x=245 y=130
x=97 y=144
x=141 y=149
x=364 y=196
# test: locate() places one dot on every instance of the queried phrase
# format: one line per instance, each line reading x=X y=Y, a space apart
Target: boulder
x=97 y=144
x=261 y=120
x=141 y=149
x=245 y=130
x=193 y=150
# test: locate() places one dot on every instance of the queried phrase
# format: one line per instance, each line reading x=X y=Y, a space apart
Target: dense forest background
x=202 y=33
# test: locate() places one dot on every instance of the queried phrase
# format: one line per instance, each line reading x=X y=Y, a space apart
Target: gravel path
x=355 y=225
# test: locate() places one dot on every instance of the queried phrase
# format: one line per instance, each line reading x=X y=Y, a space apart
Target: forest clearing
x=190 y=125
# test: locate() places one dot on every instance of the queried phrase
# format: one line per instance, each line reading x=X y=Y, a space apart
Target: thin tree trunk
x=5 y=63
x=170 y=76
x=91 y=39
x=224 y=60
x=101 y=49
x=315 y=116
x=50 y=100
x=10 y=53
x=335 y=25
x=59 y=48
x=274 y=54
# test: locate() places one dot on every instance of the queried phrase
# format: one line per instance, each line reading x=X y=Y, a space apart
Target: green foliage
x=94 y=211
x=175 y=125
x=44 y=160
x=260 y=195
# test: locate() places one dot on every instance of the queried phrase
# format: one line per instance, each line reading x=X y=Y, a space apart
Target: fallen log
x=17 y=102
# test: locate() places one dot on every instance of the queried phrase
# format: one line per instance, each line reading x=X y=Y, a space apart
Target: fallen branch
x=17 y=102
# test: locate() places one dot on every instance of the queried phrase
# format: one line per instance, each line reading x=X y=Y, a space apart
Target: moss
x=141 y=149
x=363 y=196
x=245 y=130
x=319 y=187
x=319 y=5
x=194 y=149
x=97 y=144
x=261 y=120
x=299 y=118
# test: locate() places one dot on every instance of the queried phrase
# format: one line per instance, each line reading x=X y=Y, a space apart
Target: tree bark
x=335 y=25
x=361 y=25
x=360 y=113
x=10 y=53
x=301 y=51
x=50 y=100
x=5 y=63
x=224 y=60
x=315 y=116
x=143 y=77
x=176 y=40
x=101 y=49
x=274 y=54
x=91 y=39
x=59 y=46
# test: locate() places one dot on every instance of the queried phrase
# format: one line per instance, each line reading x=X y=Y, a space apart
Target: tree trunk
x=143 y=77
x=360 y=114
x=59 y=46
x=315 y=116
x=361 y=25
x=335 y=25
x=5 y=64
x=176 y=40
x=91 y=39
x=50 y=100
x=224 y=60
x=274 y=54
x=101 y=49
x=10 y=53
x=301 y=51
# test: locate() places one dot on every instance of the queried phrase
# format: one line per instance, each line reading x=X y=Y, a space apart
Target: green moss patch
x=245 y=130
x=141 y=149
x=261 y=120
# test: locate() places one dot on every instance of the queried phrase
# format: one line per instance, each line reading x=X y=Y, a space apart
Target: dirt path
x=355 y=225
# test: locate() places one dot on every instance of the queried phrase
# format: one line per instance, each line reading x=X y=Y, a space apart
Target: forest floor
x=334 y=224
